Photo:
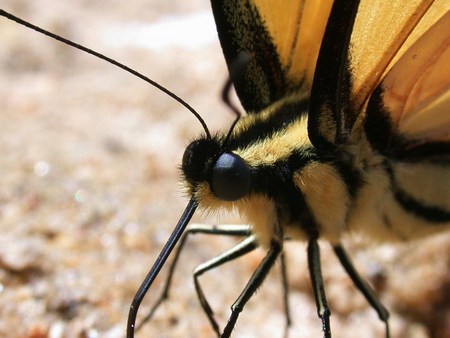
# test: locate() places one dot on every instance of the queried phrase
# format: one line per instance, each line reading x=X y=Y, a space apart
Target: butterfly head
x=209 y=169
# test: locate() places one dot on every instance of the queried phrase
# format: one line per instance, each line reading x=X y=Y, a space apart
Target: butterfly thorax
x=289 y=188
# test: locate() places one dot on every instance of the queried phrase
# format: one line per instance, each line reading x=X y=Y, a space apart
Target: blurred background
x=89 y=189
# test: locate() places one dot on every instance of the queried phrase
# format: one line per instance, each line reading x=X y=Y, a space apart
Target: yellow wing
x=279 y=41
x=360 y=42
x=416 y=91
x=363 y=41
x=296 y=28
x=383 y=31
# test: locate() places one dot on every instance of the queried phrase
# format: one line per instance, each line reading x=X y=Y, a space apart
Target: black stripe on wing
x=247 y=46
x=330 y=116
x=384 y=138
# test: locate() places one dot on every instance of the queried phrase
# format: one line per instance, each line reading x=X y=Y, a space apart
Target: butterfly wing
x=408 y=121
x=271 y=50
x=414 y=97
x=374 y=36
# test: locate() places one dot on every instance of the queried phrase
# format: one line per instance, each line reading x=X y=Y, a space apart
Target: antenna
x=111 y=61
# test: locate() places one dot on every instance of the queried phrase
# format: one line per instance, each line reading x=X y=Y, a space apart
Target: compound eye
x=230 y=177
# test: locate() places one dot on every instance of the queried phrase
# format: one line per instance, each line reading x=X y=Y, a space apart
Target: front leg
x=253 y=284
x=222 y=230
x=245 y=246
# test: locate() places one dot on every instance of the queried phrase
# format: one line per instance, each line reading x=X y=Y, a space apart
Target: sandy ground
x=89 y=193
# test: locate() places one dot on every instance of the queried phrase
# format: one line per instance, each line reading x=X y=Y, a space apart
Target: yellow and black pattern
x=347 y=130
x=348 y=69
x=353 y=136
x=278 y=43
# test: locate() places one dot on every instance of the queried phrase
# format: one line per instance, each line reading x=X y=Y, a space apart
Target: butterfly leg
x=245 y=246
x=230 y=230
x=362 y=286
x=317 y=283
x=284 y=281
x=242 y=248
x=253 y=284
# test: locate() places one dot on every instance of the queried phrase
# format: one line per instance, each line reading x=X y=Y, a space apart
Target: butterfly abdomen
x=405 y=193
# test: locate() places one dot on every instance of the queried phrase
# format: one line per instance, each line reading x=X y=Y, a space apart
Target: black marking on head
x=198 y=159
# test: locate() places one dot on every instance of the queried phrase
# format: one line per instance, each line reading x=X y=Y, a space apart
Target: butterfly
x=332 y=142
x=347 y=130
